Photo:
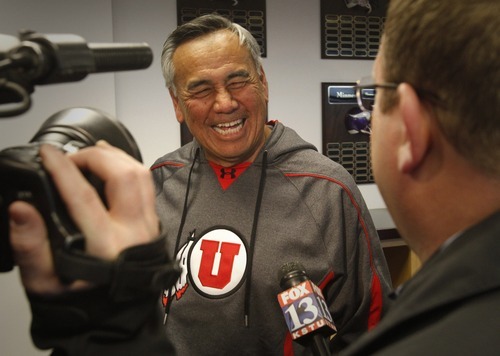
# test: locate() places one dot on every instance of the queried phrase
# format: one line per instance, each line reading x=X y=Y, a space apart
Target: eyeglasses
x=366 y=90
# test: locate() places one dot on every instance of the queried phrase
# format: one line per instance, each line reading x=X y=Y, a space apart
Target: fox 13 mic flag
x=304 y=307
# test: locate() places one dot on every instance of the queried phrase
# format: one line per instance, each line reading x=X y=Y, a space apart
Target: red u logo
x=228 y=251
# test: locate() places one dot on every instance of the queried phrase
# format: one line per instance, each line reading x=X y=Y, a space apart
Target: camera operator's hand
x=129 y=220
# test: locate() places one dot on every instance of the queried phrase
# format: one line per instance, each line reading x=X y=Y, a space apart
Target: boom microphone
x=57 y=58
x=305 y=310
x=38 y=59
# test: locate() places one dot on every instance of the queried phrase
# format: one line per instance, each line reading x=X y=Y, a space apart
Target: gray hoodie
x=291 y=204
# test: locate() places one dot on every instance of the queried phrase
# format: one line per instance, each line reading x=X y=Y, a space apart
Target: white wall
x=143 y=102
x=139 y=99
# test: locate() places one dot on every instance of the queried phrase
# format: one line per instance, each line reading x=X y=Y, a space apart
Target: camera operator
x=81 y=317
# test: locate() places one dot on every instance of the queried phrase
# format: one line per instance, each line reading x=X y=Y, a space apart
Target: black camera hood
x=86 y=126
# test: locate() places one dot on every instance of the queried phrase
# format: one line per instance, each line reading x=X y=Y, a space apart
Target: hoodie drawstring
x=252 y=237
x=248 y=283
x=181 y=227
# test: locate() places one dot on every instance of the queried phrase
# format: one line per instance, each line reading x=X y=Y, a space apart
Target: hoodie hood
x=282 y=141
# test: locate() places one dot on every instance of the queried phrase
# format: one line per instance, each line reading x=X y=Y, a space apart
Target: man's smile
x=229 y=127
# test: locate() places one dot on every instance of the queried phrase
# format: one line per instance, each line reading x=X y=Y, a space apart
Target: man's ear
x=416 y=126
x=177 y=107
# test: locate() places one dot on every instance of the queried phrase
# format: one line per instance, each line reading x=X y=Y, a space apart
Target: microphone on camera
x=304 y=307
x=56 y=58
x=38 y=59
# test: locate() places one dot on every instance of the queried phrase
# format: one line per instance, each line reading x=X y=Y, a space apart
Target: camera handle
x=137 y=268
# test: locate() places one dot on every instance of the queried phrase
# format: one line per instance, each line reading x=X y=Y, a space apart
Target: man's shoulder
x=313 y=163
x=176 y=159
x=460 y=327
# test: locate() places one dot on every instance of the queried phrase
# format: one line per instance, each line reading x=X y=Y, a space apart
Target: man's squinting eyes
x=203 y=89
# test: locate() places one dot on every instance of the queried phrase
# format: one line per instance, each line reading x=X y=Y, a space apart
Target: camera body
x=23 y=177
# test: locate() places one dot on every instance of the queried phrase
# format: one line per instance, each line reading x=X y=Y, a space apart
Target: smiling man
x=248 y=195
x=222 y=97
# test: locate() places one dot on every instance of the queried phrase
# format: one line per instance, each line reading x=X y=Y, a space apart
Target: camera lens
x=75 y=128
x=22 y=176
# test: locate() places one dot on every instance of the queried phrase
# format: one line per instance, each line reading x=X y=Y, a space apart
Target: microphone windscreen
x=290 y=274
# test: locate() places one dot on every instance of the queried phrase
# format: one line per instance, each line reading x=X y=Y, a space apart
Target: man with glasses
x=435 y=106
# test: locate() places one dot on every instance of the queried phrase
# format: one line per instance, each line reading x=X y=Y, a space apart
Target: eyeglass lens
x=367 y=98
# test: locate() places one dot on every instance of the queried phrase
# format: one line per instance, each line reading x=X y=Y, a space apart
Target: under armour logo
x=231 y=172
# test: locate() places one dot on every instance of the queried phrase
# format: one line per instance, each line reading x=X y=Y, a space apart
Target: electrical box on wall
x=346 y=130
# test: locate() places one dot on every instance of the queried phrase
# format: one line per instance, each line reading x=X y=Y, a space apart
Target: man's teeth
x=229 y=127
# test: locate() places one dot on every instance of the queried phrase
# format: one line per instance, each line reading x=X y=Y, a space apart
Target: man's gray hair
x=198 y=27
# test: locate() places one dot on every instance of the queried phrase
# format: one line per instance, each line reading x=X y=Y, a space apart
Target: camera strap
x=137 y=268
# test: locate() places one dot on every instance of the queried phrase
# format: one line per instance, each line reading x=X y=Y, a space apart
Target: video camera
x=38 y=59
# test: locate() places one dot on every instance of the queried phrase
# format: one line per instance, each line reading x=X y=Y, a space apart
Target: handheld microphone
x=304 y=307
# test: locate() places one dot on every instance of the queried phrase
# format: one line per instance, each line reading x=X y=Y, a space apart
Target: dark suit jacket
x=450 y=307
